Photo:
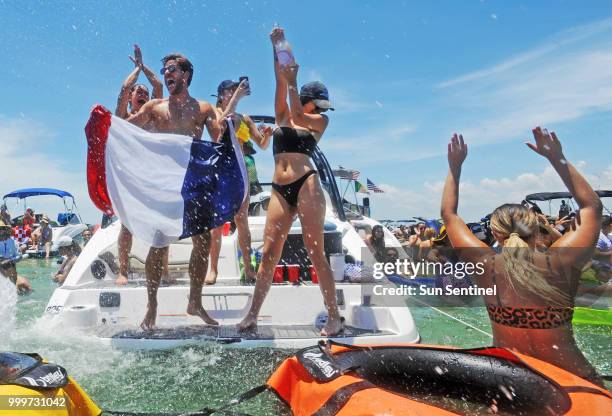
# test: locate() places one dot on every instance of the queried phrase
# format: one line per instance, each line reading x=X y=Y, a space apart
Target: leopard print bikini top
x=547 y=317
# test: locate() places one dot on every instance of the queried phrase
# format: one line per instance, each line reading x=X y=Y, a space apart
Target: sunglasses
x=169 y=68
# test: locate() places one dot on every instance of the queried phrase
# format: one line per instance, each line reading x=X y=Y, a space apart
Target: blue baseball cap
x=319 y=94
x=228 y=84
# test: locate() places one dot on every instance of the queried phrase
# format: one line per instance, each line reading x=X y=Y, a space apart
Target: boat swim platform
x=265 y=335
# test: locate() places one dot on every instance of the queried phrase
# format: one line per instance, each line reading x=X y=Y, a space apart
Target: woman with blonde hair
x=532 y=308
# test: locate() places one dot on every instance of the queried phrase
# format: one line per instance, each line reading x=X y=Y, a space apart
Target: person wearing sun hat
x=9 y=255
x=70 y=250
x=246 y=131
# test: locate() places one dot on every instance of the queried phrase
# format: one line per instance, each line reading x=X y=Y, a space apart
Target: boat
x=291 y=317
x=66 y=223
x=564 y=195
x=332 y=378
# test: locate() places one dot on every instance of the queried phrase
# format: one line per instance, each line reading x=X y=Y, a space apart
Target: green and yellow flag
x=360 y=188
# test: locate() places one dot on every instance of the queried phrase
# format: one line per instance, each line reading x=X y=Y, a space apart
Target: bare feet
x=250 y=276
x=333 y=327
x=121 y=280
x=199 y=311
x=211 y=277
x=248 y=324
x=148 y=323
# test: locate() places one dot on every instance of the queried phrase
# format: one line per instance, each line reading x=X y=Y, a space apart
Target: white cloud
x=555 y=43
x=24 y=166
x=481 y=197
x=559 y=81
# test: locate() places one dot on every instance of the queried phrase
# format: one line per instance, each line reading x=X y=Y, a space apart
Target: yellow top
x=243 y=132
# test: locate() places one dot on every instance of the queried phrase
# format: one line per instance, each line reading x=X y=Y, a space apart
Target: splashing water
x=8 y=308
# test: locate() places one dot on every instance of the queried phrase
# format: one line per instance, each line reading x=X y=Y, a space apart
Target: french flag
x=163 y=187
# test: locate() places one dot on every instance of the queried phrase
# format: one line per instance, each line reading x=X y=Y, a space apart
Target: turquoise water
x=187 y=379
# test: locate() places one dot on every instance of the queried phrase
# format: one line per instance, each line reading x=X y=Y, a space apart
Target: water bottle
x=283 y=53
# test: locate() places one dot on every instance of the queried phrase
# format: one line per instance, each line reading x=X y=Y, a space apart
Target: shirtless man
x=135 y=95
x=180 y=114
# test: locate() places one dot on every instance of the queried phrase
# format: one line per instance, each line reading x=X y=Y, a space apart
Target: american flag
x=348 y=174
x=374 y=188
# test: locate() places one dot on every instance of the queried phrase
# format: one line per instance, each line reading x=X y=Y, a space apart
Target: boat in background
x=66 y=223
x=291 y=317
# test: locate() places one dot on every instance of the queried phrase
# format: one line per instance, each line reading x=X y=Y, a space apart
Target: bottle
x=283 y=53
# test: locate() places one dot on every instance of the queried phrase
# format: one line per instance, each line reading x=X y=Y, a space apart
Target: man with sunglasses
x=181 y=114
x=131 y=99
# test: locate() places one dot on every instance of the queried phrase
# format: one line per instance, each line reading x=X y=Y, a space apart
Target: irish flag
x=360 y=188
x=163 y=187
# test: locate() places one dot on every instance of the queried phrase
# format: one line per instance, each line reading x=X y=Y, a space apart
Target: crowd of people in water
x=535 y=261
x=34 y=233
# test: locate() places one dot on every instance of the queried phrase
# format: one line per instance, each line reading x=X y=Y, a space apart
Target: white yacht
x=292 y=315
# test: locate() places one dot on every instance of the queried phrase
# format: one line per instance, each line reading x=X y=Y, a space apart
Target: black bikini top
x=290 y=140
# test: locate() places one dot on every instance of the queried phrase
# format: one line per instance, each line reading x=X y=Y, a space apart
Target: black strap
x=247 y=395
x=207 y=411
x=337 y=401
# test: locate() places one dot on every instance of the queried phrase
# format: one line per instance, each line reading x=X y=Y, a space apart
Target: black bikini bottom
x=291 y=191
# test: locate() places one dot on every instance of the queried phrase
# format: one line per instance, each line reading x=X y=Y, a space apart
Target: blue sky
x=403 y=77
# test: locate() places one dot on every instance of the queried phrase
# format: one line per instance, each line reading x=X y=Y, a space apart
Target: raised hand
x=547 y=145
x=137 y=59
x=277 y=35
x=243 y=89
x=266 y=131
x=457 y=152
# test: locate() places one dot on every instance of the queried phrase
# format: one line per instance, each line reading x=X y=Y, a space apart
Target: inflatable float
x=336 y=379
x=346 y=380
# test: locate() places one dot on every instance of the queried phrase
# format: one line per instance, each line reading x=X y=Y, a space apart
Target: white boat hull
x=291 y=317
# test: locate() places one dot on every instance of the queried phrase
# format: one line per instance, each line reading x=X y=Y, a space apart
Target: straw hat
x=64 y=241
x=44 y=219
x=3 y=224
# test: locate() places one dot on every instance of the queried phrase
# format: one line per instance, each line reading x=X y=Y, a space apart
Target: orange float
x=335 y=379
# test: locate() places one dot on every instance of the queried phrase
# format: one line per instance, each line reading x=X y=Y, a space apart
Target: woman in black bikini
x=533 y=307
x=296 y=189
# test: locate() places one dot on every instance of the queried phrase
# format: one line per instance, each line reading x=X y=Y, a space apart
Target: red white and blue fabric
x=374 y=188
x=163 y=187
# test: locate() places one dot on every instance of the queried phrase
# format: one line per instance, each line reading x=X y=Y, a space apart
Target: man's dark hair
x=183 y=63
x=138 y=85
x=605 y=221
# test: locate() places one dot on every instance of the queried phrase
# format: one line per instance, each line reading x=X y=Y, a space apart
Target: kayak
x=29 y=386
x=336 y=379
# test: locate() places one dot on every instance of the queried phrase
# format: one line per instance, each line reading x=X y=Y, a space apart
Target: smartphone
x=245 y=78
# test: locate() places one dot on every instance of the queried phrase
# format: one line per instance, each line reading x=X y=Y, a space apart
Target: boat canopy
x=547 y=196
x=28 y=192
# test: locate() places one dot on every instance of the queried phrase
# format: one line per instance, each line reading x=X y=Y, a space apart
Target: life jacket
x=30 y=386
x=334 y=379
